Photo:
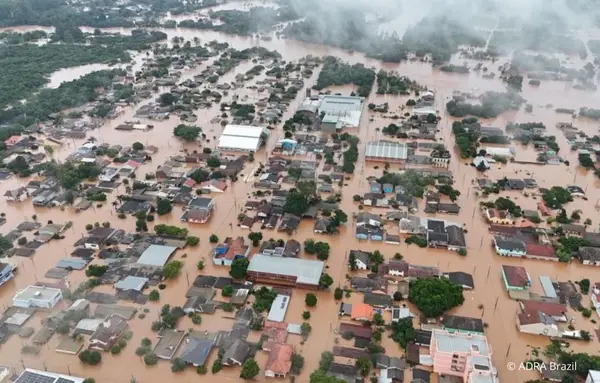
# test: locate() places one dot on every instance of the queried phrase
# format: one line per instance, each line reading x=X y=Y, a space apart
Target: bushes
x=96 y=271
x=200 y=265
x=192 y=241
x=150 y=359
x=306 y=315
x=227 y=291
x=154 y=296
x=310 y=300
x=213 y=238
x=90 y=357
x=196 y=319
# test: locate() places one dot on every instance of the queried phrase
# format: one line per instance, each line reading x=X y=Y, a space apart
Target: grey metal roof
x=131 y=283
x=548 y=287
x=196 y=350
x=455 y=342
x=305 y=270
x=335 y=103
x=386 y=149
x=156 y=255
x=279 y=308
x=71 y=263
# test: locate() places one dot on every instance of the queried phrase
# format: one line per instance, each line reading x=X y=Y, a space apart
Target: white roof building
x=37 y=296
x=501 y=152
x=241 y=138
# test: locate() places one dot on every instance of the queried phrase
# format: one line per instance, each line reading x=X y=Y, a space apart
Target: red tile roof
x=362 y=310
x=541 y=250
x=529 y=317
x=280 y=359
x=548 y=308
x=516 y=276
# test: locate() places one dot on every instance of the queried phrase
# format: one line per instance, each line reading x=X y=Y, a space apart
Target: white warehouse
x=241 y=138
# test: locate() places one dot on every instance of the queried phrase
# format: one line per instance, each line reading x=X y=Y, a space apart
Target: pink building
x=468 y=356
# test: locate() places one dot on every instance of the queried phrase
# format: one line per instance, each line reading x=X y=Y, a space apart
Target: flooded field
x=488 y=300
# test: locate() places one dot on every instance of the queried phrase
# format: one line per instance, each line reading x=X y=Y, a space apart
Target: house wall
x=390 y=160
x=539 y=329
x=510 y=253
x=555 y=259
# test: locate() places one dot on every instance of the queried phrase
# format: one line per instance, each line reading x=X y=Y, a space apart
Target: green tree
x=201 y=370
x=200 y=265
x=306 y=315
x=239 y=268
x=364 y=365
x=322 y=250
x=213 y=162
x=172 y=269
x=137 y=146
x=192 y=241
x=378 y=319
x=310 y=300
x=213 y=238
x=177 y=365
x=96 y=270
x=154 y=296
x=227 y=291
x=150 y=359
x=255 y=237
x=305 y=328
x=250 y=369
x=163 y=206
x=434 y=296
x=297 y=364
x=167 y=99
x=326 y=360
x=325 y=281
x=338 y=293
x=352 y=261
x=186 y=132
x=216 y=367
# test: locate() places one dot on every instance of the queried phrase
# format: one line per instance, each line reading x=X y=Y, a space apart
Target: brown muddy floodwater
x=498 y=311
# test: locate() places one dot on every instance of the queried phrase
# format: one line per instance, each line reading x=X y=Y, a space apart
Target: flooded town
x=235 y=191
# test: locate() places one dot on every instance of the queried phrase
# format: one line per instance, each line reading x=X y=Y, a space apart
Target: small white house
x=37 y=296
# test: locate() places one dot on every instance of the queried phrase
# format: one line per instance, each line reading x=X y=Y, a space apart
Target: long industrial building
x=241 y=138
x=294 y=272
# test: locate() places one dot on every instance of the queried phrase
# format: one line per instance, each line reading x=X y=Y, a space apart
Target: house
x=556 y=311
x=236 y=354
x=279 y=362
x=515 y=278
x=37 y=296
x=448 y=208
x=461 y=278
x=213 y=186
x=196 y=350
x=452 y=323
x=538 y=323
x=509 y=247
x=589 y=255
x=16 y=195
x=362 y=312
x=499 y=217
x=359 y=331
x=456 y=238
x=98 y=237
x=108 y=333
x=539 y=251
x=322 y=225
x=368 y=220
x=515 y=184
x=397 y=268
x=466 y=356
x=573 y=230
x=361 y=259
x=289 y=223
x=224 y=253
x=378 y=300
x=368 y=285
x=399 y=313
x=437 y=239
x=196 y=215
x=375 y=187
x=6 y=272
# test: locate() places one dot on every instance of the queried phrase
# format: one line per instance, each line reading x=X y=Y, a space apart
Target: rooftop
x=156 y=255
x=279 y=308
x=307 y=271
x=386 y=149
x=196 y=350
x=131 y=283
x=168 y=343
x=516 y=276
x=280 y=359
x=36 y=292
x=36 y=376
x=457 y=342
